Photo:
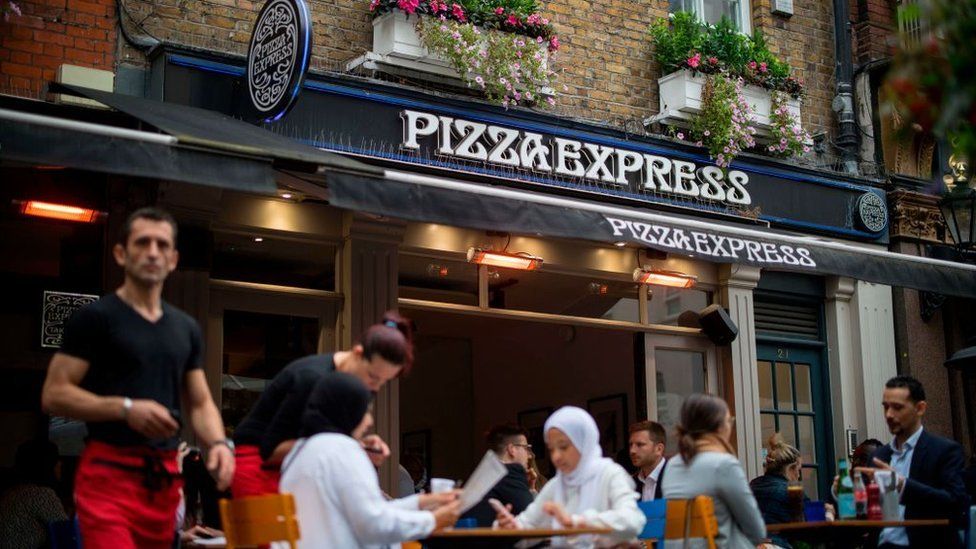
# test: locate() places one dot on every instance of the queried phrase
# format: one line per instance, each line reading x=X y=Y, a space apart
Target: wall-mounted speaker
x=716 y=324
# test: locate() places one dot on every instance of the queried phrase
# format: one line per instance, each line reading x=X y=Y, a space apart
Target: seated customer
x=782 y=466
x=706 y=465
x=336 y=489
x=588 y=489
x=512 y=447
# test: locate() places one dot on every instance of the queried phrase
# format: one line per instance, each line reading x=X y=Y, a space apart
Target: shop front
x=607 y=245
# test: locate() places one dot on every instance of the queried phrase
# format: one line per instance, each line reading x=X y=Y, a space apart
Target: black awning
x=422 y=198
x=147 y=138
x=216 y=131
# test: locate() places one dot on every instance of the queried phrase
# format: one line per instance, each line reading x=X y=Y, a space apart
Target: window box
x=681 y=98
x=397 y=49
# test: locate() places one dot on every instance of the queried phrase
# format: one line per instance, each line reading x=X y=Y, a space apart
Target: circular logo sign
x=872 y=212
x=278 y=57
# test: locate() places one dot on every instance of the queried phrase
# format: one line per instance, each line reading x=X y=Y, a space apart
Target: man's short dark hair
x=654 y=429
x=915 y=390
x=151 y=213
x=500 y=436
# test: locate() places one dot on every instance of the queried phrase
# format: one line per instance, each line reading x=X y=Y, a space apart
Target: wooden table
x=843 y=533
x=489 y=537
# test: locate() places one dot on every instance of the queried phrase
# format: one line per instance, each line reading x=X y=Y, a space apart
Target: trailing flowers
x=503 y=51
x=723 y=126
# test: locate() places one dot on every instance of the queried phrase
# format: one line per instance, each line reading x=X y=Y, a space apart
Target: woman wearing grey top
x=706 y=465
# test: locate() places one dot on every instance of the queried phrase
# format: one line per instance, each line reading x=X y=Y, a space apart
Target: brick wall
x=874 y=30
x=51 y=32
x=605 y=59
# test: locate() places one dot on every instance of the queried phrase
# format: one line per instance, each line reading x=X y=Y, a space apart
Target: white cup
x=441 y=485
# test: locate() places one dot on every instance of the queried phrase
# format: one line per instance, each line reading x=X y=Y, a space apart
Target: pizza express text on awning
x=513 y=148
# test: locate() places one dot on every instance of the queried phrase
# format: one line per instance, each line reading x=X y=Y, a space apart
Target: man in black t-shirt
x=128 y=363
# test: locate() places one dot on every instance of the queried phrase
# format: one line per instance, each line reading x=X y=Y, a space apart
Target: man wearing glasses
x=510 y=444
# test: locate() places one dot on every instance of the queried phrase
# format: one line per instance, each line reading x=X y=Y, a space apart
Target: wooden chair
x=692 y=518
x=260 y=520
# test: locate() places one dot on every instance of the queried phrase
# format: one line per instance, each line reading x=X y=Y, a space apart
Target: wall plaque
x=58 y=308
x=278 y=57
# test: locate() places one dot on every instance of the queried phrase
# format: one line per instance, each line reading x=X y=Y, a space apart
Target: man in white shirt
x=647 y=441
x=928 y=469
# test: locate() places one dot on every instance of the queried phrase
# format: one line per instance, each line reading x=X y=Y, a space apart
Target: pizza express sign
x=569 y=158
x=278 y=58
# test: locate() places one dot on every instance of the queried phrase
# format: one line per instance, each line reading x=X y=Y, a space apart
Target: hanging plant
x=8 y=7
x=511 y=69
x=722 y=126
x=788 y=137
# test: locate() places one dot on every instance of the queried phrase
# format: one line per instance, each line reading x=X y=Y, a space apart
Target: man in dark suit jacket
x=929 y=470
x=511 y=445
x=647 y=441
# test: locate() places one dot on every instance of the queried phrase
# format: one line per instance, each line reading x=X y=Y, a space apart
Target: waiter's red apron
x=127 y=497
x=251 y=476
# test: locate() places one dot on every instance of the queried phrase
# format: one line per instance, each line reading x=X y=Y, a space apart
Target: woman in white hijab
x=588 y=490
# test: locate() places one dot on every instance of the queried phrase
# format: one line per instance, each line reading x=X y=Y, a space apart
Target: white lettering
x=598 y=162
x=502 y=152
x=470 y=133
x=536 y=157
x=684 y=178
x=628 y=162
x=738 y=193
x=711 y=183
x=444 y=146
x=658 y=176
x=567 y=157
x=412 y=129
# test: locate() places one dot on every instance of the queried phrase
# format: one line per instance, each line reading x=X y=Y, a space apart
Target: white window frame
x=745 y=14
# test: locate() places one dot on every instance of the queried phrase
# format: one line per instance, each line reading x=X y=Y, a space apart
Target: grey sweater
x=719 y=475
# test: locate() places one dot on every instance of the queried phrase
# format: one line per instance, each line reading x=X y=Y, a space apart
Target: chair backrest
x=691 y=518
x=655 y=511
x=259 y=520
x=971 y=532
x=64 y=534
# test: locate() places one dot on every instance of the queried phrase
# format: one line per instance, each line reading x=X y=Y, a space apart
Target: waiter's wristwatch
x=126 y=407
x=226 y=442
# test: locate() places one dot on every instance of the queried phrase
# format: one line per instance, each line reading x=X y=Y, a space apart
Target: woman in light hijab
x=337 y=493
x=588 y=490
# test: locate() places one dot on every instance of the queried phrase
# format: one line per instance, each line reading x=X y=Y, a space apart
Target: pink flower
x=694 y=61
x=550 y=100
x=436 y=6
x=707 y=133
x=752 y=65
x=499 y=10
x=409 y=6
x=713 y=60
x=534 y=19
x=513 y=21
x=545 y=21
x=458 y=12
x=373 y=4
x=553 y=43
x=681 y=135
x=538 y=39
x=763 y=67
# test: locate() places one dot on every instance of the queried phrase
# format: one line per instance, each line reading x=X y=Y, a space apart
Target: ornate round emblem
x=872 y=212
x=278 y=57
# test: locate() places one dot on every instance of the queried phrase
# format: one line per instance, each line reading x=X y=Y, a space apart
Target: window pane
x=256 y=347
x=276 y=261
x=804 y=391
x=768 y=422
x=561 y=294
x=787 y=429
x=438 y=280
x=765 y=385
x=680 y=5
x=784 y=386
x=810 y=488
x=665 y=305
x=679 y=374
x=808 y=443
x=715 y=10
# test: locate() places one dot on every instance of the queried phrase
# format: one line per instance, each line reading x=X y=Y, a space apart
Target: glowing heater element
x=521 y=260
x=671 y=279
x=58 y=211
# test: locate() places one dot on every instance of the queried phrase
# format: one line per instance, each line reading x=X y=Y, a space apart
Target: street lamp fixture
x=959 y=204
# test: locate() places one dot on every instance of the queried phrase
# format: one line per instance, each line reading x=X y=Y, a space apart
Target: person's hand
x=220 y=463
x=447 y=515
x=199 y=531
x=506 y=520
x=376 y=449
x=433 y=501
x=830 y=512
x=557 y=512
x=151 y=419
x=532 y=478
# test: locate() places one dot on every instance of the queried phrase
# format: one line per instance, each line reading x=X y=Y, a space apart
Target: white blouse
x=338 y=498
x=617 y=509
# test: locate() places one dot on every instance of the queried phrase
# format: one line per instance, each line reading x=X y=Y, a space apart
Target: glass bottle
x=845 y=492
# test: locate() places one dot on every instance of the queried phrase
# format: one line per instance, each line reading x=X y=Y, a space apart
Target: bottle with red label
x=874 y=501
x=860 y=497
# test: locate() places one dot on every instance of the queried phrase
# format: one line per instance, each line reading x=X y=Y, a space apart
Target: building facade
x=308 y=266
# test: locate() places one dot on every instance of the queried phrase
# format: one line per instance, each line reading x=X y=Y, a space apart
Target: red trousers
x=127 y=497
x=250 y=477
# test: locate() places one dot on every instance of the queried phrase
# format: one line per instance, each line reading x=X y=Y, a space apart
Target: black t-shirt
x=513 y=488
x=133 y=357
x=277 y=416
